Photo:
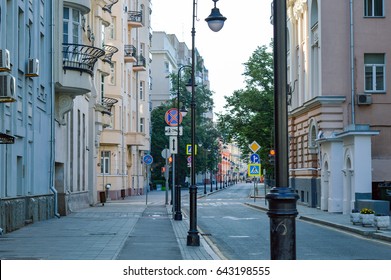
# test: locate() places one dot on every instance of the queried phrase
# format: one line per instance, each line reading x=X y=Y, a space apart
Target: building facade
x=339 y=114
x=125 y=138
x=74 y=71
x=26 y=106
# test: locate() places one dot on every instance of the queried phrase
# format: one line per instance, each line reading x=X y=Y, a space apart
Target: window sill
x=375 y=92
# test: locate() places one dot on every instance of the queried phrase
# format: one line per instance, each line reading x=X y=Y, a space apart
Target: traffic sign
x=254 y=158
x=172 y=117
x=173 y=145
x=188 y=149
x=173 y=130
x=254 y=146
x=148 y=159
x=189 y=159
x=166 y=153
x=254 y=169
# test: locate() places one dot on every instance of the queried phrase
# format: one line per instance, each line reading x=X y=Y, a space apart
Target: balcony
x=135 y=19
x=135 y=139
x=130 y=53
x=80 y=57
x=107 y=104
x=140 y=64
x=6 y=139
x=111 y=137
x=109 y=52
x=108 y=7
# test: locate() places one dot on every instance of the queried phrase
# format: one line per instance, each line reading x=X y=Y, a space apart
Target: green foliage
x=206 y=133
x=249 y=111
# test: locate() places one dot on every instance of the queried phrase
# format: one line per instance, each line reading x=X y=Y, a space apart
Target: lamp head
x=183 y=111
x=215 y=20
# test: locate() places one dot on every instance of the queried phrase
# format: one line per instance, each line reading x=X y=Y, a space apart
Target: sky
x=224 y=52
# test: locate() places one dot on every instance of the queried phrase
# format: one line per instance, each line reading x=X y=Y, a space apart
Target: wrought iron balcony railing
x=80 y=57
x=6 y=139
x=109 y=52
x=108 y=7
x=141 y=62
x=108 y=103
x=135 y=16
x=130 y=51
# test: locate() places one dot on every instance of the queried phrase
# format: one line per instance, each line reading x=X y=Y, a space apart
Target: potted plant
x=382 y=221
x=355 y=217
x=367 y=217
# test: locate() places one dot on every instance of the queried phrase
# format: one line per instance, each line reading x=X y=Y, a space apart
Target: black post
x=193 y=239
x=211 y=180
x=177 y=208
x=205 y=172
x=282 y=200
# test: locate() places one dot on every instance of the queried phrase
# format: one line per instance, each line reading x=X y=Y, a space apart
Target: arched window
x=312 y=136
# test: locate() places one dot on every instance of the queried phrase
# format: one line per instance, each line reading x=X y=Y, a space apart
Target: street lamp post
x=215 y=22
x=282 y=200
x=177 y=194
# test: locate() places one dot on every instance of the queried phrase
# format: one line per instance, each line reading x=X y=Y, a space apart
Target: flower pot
x=355 y=218
x=367 y=220
x=382 y=222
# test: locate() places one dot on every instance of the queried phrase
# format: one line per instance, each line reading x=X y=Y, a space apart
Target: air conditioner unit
x=7 y=88
x=32 y=67
x=364 y=99
x=5 y=60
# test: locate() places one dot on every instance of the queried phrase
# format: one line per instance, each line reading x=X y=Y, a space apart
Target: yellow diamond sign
x=254 y=146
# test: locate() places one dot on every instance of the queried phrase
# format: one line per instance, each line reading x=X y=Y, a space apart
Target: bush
x=367 y=211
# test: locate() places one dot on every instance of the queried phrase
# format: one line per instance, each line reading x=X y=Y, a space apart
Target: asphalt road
x=242 y=233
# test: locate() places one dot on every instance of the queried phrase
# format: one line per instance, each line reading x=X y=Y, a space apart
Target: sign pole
x=173 y=183
x=147 y=186
x=166 y=174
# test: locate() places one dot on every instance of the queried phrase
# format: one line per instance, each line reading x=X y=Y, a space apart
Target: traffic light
x=170 y=160
x=272 y=155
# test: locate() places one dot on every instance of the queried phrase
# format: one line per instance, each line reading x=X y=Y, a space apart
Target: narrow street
x=242 y=232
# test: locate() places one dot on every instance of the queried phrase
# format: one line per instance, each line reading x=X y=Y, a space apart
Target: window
x=102 y=86
x=112 y=74
x=373 y=8
x=72 y=26
x=166 y=67
x=142 y=123
x=141 y=90
x=105 y=162
x=374 y=72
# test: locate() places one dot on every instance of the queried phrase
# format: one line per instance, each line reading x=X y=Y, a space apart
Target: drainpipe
x=52 y=123
x=352 y=69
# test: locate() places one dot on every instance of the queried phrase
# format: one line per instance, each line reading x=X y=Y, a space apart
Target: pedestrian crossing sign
x=188 y=150
x=254 y=169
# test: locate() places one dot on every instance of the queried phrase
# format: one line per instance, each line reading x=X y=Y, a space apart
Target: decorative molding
x=64 y=104
x=299 y=7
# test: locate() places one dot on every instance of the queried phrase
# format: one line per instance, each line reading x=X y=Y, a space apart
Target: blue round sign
x=148 y=159
x=254 y=158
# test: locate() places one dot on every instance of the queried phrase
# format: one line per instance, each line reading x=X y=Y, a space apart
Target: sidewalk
x=335 y=220
x=121 y=229
x=129 y=229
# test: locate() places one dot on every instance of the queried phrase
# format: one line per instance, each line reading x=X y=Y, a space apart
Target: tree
x=249 y=111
